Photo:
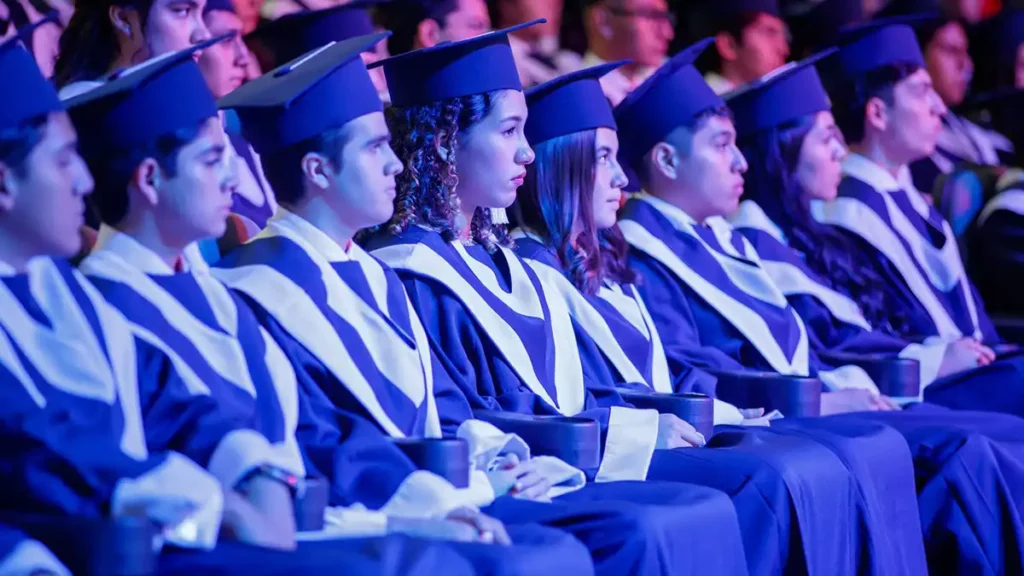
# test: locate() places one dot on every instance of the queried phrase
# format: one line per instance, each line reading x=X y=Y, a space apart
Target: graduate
x=570 y=225
x=20 y=555
x=174 y=181
x=501 y=330
x=890 y=115
x=345 y=320
x=717 y=307
x=73 y=432
x=751 y=40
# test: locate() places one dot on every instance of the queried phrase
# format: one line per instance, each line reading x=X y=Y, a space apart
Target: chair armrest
x=793 y=396
x=896 y=377
x=576 y=441
x=310 y=504
x=446 y=457
x=121 y=546
x=1010 y=328
x=696 y=409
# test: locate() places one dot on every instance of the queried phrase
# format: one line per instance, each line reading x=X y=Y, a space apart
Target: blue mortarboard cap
x=154 y=99
x=477 y=65
x=724 y=9
x=670 y=98
x=222 y=5
x=28 y=95
x=317 y=92
x=877 y=44
x=789 y=93
x=293 y=35
x=571 y=103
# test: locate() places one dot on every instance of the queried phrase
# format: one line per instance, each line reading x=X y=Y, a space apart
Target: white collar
x=677 y=216
x=751 y=215
x=109 y=239
x=861 y=168
x=718 y=83
x=316 y=238
x=7 y=270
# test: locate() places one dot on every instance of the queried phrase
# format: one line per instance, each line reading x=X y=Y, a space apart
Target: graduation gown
x=960 y=142
x=996 y=250
x=502 y=331
x=621 y=325
x=20 y=555
x=914 y=249
x=664 y=249
x=347 y=322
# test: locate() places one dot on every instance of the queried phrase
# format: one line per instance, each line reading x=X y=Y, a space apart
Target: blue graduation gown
x=996 y=252
x=350 y=326
x=625 y=332
x=451 y=285
x=914 y=249
x=646 y=227
x=960 y=142
x=20 y=555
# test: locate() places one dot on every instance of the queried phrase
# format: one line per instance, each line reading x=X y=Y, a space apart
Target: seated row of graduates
x=157 y=381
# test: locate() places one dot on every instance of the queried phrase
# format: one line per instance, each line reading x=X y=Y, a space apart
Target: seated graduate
x=344 y=319
x=751 y=40
x=72 y=420
x=843 y=301
x=499 y=328
x=715 y=304
x=164 y=184
x=567 y=210
x=225 y=65
x=21 y=556
x=885 y=106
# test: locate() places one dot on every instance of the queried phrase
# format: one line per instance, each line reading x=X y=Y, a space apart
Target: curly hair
x=827 y=251
x=555 y=202
x=426 y=189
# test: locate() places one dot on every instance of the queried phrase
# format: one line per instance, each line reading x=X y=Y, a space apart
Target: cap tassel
x=499 y=216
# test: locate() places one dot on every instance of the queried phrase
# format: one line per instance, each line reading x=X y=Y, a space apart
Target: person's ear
x=146 y=180
x=728 y=48
x=876 y=114
x=317 y=171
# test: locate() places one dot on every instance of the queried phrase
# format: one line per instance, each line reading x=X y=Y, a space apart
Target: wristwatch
x=295 y=483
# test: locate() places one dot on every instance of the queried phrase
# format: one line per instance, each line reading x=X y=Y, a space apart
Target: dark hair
x=556 y=196
x=426 y=189
x=827 y=251
x=283 y=168
x=17 y=143
x=692 y=126
x=403 y=19
x=113 y=171
x=88 y=46
x=850 y=96
x=731 y=24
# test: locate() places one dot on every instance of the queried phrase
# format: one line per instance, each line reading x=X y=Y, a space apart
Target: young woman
x=501 y=329
x=786 y=121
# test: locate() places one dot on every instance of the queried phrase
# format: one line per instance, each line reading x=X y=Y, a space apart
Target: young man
x=424 y=23
x=719 y=309
x=539 y=56
x=166 y=185
x=344 y=318
x=751 y=40
x=73 y=427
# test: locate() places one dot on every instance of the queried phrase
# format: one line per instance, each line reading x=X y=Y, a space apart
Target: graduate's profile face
x=949 y=63
x=763 y=47
x=173 y=25
x=913 y=121
x=470 y=18
x=363 y=193
x=819 y=169
x=609 y=179
x=43 y=203
x=225 y=63
x=492 y=155
x=194 y=204
x=708 y=169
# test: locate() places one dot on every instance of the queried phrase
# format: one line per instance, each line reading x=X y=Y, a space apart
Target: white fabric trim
x=847 y=377
x=751 y=215
x=31 y=556
x=794 y=281
x=426 y=495
x=351 y=522
x=238 y=452
x=929 y=356
x=1009 y=200
x=629 y=445
x=726 y=413
x=176 y=488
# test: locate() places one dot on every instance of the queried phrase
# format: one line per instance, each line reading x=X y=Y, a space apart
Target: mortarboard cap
x=670 y=98
x=29 y=94
x=154 y=99
x=293 y=35
x=476 y=65
x=816 y=24
x=784 y=95
x=317 y=92
x=877 y=44
x=222 y=5
x=571 y=103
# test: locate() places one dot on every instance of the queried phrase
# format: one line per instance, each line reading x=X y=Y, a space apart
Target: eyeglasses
x=645 y=13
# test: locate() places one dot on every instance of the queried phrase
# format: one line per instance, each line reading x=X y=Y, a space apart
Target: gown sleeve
x=20 y=555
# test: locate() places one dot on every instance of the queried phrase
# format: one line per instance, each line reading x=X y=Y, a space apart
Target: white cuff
x=425 y=495
x=846 y=377
x=239 y=452
x=929 y=356
x=629 y=446
x=30 y=556
x=726 y=413
x=178 y=495
x=352 y=522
